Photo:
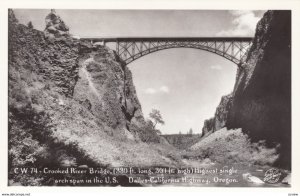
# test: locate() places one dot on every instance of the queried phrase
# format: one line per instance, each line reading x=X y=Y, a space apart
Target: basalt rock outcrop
x=69 y=104
x=262 y=95
x=55 y=27
x=220 y=118
x=55 y=61
x=261 y=100
x=105 y=86
x=90 y=75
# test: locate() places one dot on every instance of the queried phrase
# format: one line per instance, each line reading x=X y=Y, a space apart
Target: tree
x=150 y=126
x=156 y=118
x=30 y=25
x=191 y=131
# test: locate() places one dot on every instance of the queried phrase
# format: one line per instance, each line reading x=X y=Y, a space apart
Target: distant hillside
x=182 y=141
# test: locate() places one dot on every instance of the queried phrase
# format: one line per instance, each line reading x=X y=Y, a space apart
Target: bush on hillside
x=149 y=134
x=233 y=146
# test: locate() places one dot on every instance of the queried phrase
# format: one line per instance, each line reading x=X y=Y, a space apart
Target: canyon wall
x=106 y=89
x=70 y=104
x=262 y=93
x=220 y=118
x=261 y=99
x=55 y=61
x=91 y=75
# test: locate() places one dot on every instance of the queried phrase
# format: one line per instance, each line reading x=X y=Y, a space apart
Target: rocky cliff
x=261 y=101
x=262 y=95
x=106 y=89
x=91 y=75
x=220 y=118
x=71 y=104
x=55 y=61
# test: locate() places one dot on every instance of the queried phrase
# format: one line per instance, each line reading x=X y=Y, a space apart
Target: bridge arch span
x=219 y=53
x=129 y=49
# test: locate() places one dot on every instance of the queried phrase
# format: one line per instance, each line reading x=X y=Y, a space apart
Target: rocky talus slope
x=261 y=101
x=72 y=104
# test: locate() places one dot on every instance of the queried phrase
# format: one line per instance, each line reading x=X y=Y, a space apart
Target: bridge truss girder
x=233 y=50
x=129 y=49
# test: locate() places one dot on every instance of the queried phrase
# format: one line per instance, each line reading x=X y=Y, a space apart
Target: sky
x=186 y=85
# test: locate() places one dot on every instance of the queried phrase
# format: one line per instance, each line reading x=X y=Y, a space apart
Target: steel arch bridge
x=129 y=49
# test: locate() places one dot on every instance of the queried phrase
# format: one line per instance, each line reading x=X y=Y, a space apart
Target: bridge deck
x=132 y=48
x=145 y=39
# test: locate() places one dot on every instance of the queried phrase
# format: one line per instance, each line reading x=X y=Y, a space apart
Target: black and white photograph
x=149 y=98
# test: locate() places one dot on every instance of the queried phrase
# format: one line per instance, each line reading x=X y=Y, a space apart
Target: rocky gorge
x=74 y=104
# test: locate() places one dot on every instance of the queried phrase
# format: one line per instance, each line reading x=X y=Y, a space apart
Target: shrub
x=233 y=146
x=30 y=25
x=149 y=134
